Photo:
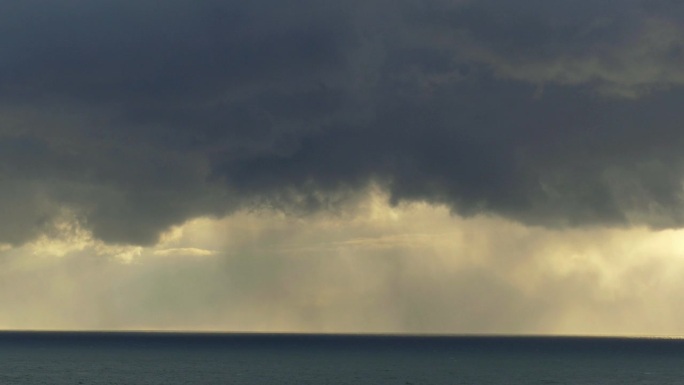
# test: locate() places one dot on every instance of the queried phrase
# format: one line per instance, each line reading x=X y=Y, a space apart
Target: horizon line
x=228 y=333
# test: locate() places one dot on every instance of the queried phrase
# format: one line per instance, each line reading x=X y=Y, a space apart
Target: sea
x=141 y=358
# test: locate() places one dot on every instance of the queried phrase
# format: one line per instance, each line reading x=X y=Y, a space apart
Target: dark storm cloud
x=139 y=115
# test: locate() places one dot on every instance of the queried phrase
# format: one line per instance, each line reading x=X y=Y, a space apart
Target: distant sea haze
x=60 y=358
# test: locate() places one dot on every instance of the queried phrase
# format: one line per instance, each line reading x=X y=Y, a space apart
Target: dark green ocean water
x=29 y=358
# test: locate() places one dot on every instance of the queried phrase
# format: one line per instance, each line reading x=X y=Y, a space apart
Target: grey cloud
x=140 y=115
x=622 y=48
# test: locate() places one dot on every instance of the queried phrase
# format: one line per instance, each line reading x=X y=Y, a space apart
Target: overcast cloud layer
x=441 y=166
x=138 y=115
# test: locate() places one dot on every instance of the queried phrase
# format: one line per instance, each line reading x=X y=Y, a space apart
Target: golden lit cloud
x=184 y=251
x=377 y=268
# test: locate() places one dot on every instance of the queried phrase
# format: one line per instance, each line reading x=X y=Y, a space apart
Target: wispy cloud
x=184 y=252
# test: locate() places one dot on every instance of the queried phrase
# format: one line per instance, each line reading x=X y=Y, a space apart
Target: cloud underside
x=133 y=117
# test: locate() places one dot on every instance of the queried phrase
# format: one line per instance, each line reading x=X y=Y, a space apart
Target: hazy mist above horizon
x=406 y=166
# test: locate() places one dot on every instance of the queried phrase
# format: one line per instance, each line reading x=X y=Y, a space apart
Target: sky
x=375 y=166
